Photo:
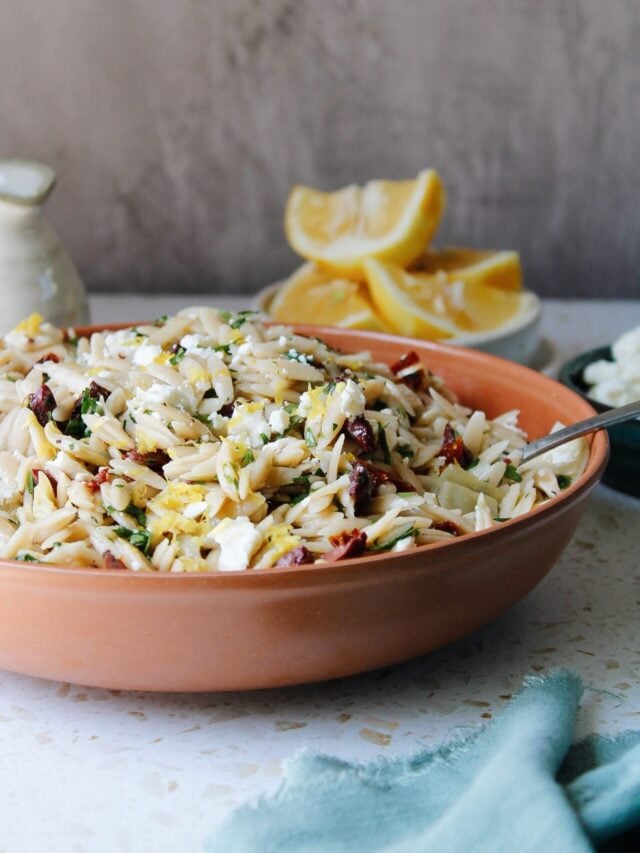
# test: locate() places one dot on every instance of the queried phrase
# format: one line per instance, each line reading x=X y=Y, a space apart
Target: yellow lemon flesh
x=315 y=295
x=475 y=266
x=387 y=220
x=426 y=305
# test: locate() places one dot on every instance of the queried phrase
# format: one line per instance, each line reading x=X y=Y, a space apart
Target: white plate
x=517 y=340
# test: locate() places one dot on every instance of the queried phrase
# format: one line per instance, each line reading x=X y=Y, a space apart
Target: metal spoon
x=606 y=419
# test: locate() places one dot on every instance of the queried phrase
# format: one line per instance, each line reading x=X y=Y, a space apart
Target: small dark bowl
x=623 y=470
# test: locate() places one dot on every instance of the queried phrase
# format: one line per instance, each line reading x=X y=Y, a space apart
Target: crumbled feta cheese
x=353 y=400
x=170 y=395
x=279 y=421
x=305 y=404
x=218 y=421
x=282 y=340
x=121 y=342
x=627 y=346
x=238 y=539
x=617 y=382
x=146 y=354
x=301 y=357
x=248 y=423
x=191 y=342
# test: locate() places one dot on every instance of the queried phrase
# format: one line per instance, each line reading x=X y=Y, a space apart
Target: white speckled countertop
x=85 y=769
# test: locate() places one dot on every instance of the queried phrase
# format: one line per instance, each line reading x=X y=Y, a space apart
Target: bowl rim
x=528 y=316
x=598 y=455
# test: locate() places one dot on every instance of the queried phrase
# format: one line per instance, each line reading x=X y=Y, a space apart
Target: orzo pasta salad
x=208 y=441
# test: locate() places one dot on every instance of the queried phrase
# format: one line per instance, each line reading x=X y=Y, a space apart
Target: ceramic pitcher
x=36 y=273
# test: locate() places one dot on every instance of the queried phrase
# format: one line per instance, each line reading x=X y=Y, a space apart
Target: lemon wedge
x=475 y=266
x=315 y=295
x=425 y=305
x=386 y=220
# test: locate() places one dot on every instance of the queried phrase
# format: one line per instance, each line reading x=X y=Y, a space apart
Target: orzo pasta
x=208 y=441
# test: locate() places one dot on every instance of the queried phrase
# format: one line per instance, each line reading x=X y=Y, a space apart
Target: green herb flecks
x=89 y=405
x=241 y=318
x=405 y=450
x=178 y=355
x=140 y=539
x=563 y=481
x=137 y=513
x=247 y=458
x=204 y=419
x=388 y=545
x=511 y=473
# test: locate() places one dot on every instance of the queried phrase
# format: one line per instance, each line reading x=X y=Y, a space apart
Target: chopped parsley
x=310 y=439
x=178 y=355
x=137 y=513
x=241 y=318
x=264 y=437
x=89 y=405
x=204 y=419
x=247 y=458
x=511 y=473
x=138 y=538
x=563 y=481
x=405 y=450
x=388 y=545
x=27 y=558
x=31 y=482
x=161 y=320
x=225 y=348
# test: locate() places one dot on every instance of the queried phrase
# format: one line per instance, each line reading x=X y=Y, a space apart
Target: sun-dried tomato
x=410 y=371
x=42 y=403
x=454 y=449
x=111 y=562
x=380 y=476
x=96 y=390
x=227 y=410
x=296 y=557
x=447 y=527
x=155 y=459
x=103 y=476
x=50 y=356
x=346 y=545
x=361 y=487
x=361 y=431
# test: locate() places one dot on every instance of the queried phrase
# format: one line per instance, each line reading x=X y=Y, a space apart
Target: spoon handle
x=605 y=419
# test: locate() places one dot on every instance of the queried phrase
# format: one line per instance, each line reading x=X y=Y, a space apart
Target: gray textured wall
x=178 y=126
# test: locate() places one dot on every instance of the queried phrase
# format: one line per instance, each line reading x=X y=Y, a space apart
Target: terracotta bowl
x=238 y=631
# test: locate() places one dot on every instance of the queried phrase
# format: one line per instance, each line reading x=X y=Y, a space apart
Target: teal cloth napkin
x=502 y=788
